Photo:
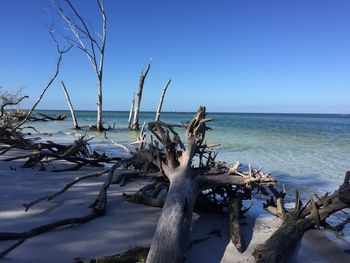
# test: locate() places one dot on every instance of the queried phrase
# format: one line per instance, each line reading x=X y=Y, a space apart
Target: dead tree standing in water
x=159 y=109
x=86 y=41
x=135 y=124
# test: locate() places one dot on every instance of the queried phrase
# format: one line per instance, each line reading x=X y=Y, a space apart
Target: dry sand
x=127 y=225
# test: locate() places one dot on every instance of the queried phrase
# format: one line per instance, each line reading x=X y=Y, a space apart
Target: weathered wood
x=131 y=111
x=45 y=117
x=283 y=242
x=137 y=254
x=159 y=109
x=174 y=159
x=296 y=222
x=78 y=153
x=140 y=199
x=98 y=209
x=235 y=205
x=70 y=105
x=135 y=125
x=171 y=237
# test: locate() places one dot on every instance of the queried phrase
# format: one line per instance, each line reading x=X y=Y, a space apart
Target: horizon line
x=213 y=112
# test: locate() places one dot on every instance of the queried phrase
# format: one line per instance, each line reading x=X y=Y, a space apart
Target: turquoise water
x=306 y=151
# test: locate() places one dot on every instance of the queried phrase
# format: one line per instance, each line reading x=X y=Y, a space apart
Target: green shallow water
x=306 y=151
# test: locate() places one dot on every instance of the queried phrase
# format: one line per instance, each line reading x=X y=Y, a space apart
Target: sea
x=308 y=152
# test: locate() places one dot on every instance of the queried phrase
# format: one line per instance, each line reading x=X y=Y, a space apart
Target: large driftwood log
x=302 y=218
x=175 y=160
x=45 y=117
x=135 y=124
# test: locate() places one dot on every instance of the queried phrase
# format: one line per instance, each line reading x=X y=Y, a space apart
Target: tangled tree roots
x=302 y=218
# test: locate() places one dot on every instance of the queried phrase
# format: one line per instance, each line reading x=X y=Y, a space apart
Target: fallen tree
x=187 y=178
x=40 y=153
x=296 y=222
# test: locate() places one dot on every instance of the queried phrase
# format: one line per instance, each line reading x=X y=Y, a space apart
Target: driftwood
x=15 y=116
x=40 y=153
x=159 y=109
x=135 y=124
x=175 y=159
x=235 y=229
x=45 y=117
x=302 y=218
x=98 y=209
x=70 y=105
x=137 y=254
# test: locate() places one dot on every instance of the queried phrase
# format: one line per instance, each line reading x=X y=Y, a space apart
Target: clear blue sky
x=230 y=55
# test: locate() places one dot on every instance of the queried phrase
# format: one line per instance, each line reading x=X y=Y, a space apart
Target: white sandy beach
x=127 y=225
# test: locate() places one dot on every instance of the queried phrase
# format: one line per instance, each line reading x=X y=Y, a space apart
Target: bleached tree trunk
x=159 y=109
x=99 y=124
x=131 y=111
x=70 y=105
x=100 y=71
x=170 y=243
x=175 y=160
x=135 y=125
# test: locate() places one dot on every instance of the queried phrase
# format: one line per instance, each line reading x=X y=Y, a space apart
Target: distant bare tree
x=87 y=40
x=8 y=99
